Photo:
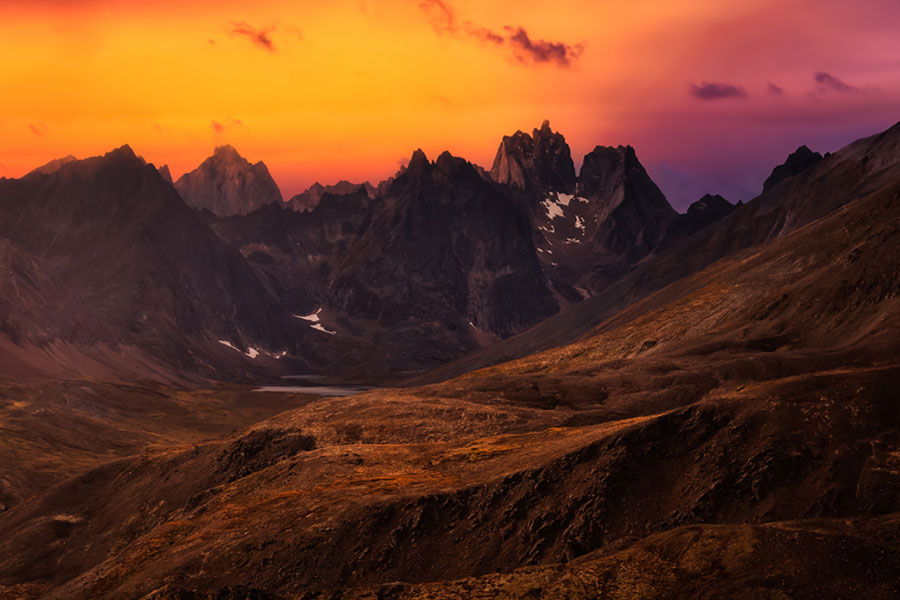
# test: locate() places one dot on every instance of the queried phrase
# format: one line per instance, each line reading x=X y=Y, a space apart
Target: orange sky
x=347 y=89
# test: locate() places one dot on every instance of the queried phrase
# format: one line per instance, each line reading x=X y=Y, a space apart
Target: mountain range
x=583 y=393
x=439 y=260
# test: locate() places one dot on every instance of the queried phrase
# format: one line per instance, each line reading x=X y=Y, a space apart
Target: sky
x=711 y=94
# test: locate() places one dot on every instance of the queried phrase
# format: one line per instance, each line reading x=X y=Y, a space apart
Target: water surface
x=318 y=390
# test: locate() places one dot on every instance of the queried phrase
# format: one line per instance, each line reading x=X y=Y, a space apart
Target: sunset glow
x=711 y=94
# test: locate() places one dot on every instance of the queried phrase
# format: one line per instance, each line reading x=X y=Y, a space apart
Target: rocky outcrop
x=227 y=184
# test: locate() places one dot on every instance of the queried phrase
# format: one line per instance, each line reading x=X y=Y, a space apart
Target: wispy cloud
x=444 y=20
x=221 y=126
x=38 y=129
x=260 y=37
x=717 y=91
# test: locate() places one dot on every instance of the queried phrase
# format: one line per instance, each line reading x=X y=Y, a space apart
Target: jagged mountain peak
x=418 y=158
x=541 y=161
x=605 y=172
x=228 y=184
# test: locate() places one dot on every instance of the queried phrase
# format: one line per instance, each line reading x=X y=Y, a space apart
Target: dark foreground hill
x=733 y=433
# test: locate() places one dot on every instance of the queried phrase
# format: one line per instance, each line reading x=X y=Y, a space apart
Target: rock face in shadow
x=630 y=213
x=797 y=162
x=445 y=244
x=227 y=184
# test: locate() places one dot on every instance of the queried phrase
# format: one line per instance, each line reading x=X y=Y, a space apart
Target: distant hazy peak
x=54 y=165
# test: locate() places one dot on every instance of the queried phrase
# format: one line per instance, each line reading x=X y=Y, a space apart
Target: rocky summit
x=228 y=184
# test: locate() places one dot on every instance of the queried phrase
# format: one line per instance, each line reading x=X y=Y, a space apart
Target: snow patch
x=579 y=223
x=552 y=207
x=251 y=352
x=314 y=317
x=571 y=240
x=564 y=199
x=316 y=324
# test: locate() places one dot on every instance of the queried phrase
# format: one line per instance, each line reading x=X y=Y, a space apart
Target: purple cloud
x=539 y=51
x=717 y=91
x=828 y=82
x=775 y=90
